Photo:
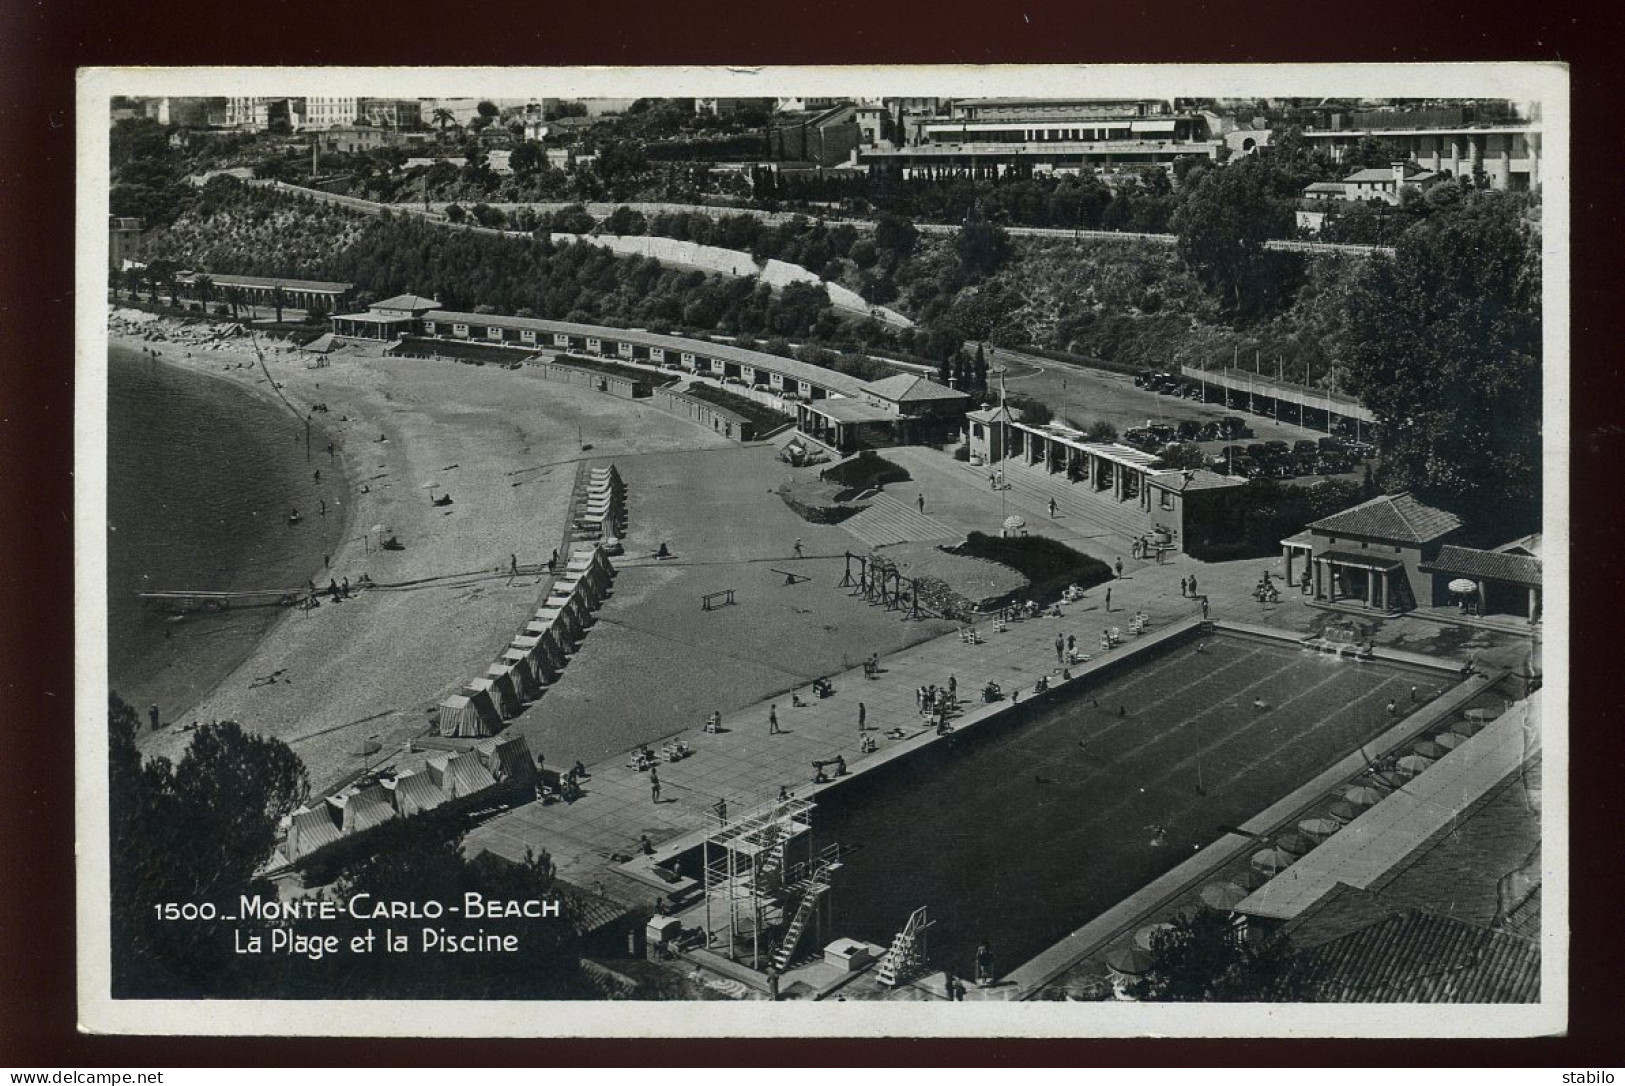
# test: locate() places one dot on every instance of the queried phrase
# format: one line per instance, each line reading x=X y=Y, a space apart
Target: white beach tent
x=469 y=716
x=508 y=759
x=416 y=793
x=460 y=775
x=312 y=827
x=520 y=675
x=501 y=693
x=369 y=807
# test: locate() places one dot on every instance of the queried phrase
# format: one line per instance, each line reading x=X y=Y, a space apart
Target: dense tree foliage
x=1443 y=343
x=1222 y=227
x=1205 y=958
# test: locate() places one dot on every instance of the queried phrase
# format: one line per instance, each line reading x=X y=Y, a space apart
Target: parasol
x=1413 y=764
x=1363 y=795
x=1320 y=827
x=1271 y=860
x=1129 y=960
x=1427 y=748
x=1467 y=728
x=1461 y=586
x=1223 y=896
x=1449 y=740
x=1013 y=523
x=1343 y=811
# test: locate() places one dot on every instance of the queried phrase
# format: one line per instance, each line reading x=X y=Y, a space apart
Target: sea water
x=201 y=476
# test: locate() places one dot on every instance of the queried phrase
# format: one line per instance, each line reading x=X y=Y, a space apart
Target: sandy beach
x=504 y=445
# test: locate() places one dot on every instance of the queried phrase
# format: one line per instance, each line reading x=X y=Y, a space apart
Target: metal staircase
x=813 y=891
x=907 y=953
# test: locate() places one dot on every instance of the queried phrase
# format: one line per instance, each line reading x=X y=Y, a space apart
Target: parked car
x=1163 y=434
x=1189 y=431
x=1304 y=448
x=1211 y=431
x=1278 y=448
x=1362 y=449
x=1234 y=426
x=1331 y=445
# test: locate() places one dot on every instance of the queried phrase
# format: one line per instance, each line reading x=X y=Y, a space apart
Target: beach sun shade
x=1467 y=728
x=1482 y=716
x=1128 y=960
x=1320 y=827
x=1343 y=811
x=1461 y=586
x=1223 y=896
x=1428 y=749
x=1272 y=860
x=1363 y=795
x=1014 y=523
x=1295 y=843
x=1449 y=740
x=1413 y=764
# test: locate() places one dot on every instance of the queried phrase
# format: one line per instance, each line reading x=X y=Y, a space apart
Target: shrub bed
x=1048 y=564
x=763 y=419
x=865 y=471
x=819 y=503
x=615 y=369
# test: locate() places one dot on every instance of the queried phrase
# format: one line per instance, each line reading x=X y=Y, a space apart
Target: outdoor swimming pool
x=1021 y=830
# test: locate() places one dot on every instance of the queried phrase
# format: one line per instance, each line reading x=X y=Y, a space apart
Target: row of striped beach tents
x=443 y=779
x=535 y=657
x=603 y=506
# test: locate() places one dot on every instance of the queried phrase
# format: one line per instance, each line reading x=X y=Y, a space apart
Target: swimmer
x=1260 y=704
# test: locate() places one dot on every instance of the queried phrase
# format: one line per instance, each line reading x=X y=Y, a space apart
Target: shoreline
x=144 y=680
x=368 y=672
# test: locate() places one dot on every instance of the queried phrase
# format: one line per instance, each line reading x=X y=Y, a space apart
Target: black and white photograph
x=558 y=547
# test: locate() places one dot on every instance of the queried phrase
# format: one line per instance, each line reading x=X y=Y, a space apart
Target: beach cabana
x=520 y=675
x=310 y=828
x=564 y=623
x=416 y=793
x=369 y=807
x=460 y=775
x=520 y=659
x=469 y=716
x=502 y=694
x=508 y=759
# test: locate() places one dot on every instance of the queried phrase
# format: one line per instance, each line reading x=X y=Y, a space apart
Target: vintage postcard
x=1006 y=551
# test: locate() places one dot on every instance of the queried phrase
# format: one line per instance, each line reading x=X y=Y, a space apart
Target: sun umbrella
x=1185 y=913
x=1223 y=896
x=1461 y=586
x=1449 y=740
x=1295 y=843
x=1467 y=728
x=1413 y=764
x=1148 y=934
x=1271 y=860
x=1428 y=749
x=1482 y=716
x=1343 y=811
x=1129 y=960
x=1013 y=523
x=1363 y=795
x=1320 y=827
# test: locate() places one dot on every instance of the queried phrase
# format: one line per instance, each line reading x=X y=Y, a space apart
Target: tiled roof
x=406 y=301
x=1370 y=175
x=908 y=388
x=1396 y=517
x=1327 y=186
x=1488 y=565
x=1417 y=957
x=1185 y=482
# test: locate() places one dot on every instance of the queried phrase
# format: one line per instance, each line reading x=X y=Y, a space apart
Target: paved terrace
x=746 y=765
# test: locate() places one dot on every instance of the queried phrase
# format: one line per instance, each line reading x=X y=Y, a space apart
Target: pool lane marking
x=1315 y=727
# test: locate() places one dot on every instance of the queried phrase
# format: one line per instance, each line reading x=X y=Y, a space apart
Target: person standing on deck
x=654 y=783
x=1060 y=649
x=772 y=720
x=921 y=501
x=863 y=717
x=798 y=547
x=1119 y=567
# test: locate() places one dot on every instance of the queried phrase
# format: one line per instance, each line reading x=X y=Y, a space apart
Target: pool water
x=1021 y=831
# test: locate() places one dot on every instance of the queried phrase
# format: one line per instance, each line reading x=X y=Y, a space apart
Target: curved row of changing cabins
x=535 y=658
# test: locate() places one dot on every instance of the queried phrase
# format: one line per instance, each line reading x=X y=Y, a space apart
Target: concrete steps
x=888 y=521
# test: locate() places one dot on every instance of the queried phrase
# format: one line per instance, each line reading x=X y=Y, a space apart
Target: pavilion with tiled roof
x=1372 y=555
